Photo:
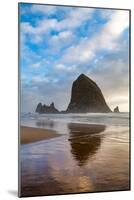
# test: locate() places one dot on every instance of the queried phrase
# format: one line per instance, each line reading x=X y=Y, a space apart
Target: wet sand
x=29 y=135
x=89 y=158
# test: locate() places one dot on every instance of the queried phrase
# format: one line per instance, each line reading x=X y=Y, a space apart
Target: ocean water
x=54 y=121
x=83 y=159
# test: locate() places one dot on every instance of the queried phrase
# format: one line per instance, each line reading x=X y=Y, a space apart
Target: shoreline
x=82 y=149
x=30 y=134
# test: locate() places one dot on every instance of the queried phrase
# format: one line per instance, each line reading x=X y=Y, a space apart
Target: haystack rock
x=46 y=109
x=86 y=97
x=116 y=109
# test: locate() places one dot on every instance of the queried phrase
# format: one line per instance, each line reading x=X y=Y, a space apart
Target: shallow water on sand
x=83 y=159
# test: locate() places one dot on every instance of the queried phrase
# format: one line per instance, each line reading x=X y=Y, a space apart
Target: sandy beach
x=87 y=158
x=29 y=134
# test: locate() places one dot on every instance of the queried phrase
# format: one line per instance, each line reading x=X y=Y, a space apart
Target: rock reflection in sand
x=45 y=123
x=86 y=158
x=84 y=141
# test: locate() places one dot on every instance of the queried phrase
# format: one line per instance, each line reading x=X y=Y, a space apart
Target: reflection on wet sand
x=38 y=179
x=84 y=141
x=45 y=123
x=87 y=158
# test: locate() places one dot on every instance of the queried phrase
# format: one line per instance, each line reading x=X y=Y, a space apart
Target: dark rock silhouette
x=39 y=108
x=84 y=141
x=46 y=109
x=86 y=97
x=116 y=109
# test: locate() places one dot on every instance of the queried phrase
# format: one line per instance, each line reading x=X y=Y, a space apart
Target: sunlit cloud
x=59 y=43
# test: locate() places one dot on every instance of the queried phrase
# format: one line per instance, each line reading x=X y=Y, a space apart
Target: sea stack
x=86 y=97
x=46 y=109
x=116 y=109
x=39 y=108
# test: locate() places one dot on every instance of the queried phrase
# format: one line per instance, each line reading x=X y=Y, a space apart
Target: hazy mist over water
x=49 y=120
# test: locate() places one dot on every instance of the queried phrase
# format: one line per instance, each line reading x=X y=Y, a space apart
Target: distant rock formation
x=39 y=108
x=86 y=97
x=46 y=109
x=116 y=109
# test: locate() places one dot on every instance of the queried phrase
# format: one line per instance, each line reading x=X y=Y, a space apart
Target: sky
x=59 y=43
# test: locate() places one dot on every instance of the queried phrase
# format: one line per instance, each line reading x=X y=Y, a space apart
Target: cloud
x=39 y=79
x=111 y=73
x=36 y=65
x=64 y=35
x=64 y=68
x=73 y=19
x=44 y=26
x=54 y=51
x=106 y=39
x=60 y=67
x=118 y=22
x=78 y=54
x=61 y=40
x=47 y=10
